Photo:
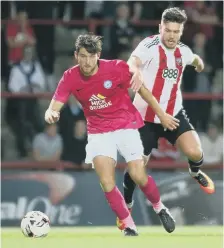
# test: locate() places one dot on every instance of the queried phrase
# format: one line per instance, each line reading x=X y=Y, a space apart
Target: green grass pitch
x=111 y=237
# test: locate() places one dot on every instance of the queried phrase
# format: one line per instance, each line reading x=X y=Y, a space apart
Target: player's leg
x=132 y=151
x=149 y=140
x=187 y=140
x=105 y=169
x=129 y=185
x=128 y=188
x=148 y=186
x=189 y=143
x=101 y=151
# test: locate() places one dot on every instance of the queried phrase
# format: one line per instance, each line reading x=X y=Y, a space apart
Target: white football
x=35 y=224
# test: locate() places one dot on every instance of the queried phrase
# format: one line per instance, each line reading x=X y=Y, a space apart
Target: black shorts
x=151 y=132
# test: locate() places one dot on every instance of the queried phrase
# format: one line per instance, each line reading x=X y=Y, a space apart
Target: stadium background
x=42 y=166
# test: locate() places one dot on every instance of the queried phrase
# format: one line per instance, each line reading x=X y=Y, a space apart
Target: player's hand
x=200 y=67
x=169 y=122
x=51 y=116
x=136 y=81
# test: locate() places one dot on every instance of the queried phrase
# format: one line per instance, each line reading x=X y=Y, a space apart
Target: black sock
x=195 y=166
x=129 y=187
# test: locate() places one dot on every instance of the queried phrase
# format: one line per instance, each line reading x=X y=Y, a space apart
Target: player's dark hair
x=174 y=15
x=92 y=43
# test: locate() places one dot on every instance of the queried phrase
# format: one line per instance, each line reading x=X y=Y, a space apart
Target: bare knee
x=194 y=154
x=105 y=169
x=137 y=172
x=107 y=184
x=190 y=145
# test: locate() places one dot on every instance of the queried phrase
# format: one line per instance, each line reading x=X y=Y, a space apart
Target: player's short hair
x=174 y=15
x=92 y=43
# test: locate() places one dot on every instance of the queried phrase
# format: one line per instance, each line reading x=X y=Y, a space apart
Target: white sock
x=193 y=174
x=158 y=207
x=130 y=205
x=129 y=223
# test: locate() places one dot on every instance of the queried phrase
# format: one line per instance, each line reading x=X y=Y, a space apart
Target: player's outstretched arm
x=52 y=114
x=168 y=121
x=137 y=80
x=60 y=97
x=198 y=63
x=134 y=63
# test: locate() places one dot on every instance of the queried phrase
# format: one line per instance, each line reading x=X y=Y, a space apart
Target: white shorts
x=126 y=141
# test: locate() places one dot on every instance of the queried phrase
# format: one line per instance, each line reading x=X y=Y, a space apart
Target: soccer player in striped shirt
x=161 y=59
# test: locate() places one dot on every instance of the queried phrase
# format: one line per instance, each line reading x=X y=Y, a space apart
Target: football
x=35 y=224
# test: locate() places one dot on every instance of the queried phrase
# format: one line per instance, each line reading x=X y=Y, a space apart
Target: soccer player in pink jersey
x=162 y=59
x=101 y=87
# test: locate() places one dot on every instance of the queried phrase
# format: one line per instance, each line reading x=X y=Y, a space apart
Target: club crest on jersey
x=107 y=84
x=179 y=61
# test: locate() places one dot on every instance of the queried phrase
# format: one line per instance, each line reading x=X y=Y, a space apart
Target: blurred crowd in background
x=35 y=56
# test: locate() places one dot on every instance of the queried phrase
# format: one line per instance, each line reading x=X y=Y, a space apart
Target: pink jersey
x=103 y=96
x=162 y=71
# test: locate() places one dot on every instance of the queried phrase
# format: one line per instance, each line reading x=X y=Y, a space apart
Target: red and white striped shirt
x=162 y=71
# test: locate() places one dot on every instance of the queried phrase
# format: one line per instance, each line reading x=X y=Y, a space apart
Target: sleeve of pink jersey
x=63 y=91
x=125 y=73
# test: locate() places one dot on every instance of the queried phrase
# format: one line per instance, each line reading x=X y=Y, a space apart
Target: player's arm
x=138 y=57
x=142 y=54
x=193 y=59
x=137 y=78
x=52 y=114
x=198 y=63
x=134 y=63
x=168 y=121
x=60 y=97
